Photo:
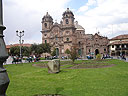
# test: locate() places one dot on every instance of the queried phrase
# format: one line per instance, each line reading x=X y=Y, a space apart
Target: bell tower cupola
x=68 y=18
x=47 y=22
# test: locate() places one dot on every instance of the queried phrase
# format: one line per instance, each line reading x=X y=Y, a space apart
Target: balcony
x=118 y=48
x=121 y=48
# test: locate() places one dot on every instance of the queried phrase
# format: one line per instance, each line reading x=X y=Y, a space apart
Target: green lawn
x=26 y=80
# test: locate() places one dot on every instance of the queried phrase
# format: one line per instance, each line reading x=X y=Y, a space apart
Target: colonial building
x=69 y=33
x=96 y=44
x=118 y=45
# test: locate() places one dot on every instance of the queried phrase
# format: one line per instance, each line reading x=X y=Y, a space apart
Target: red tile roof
x=125 y=36
x=118 y=42
x=12 y=45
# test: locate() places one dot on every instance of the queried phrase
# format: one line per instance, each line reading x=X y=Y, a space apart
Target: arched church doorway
x=96 y=51
x=80 y=52
x=57 y=52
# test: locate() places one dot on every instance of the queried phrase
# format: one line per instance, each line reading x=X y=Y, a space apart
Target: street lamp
x=4 y=80
x=20 y=34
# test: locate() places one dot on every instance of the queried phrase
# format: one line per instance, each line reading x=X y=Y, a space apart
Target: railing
x=118 y=48
x=121 y=48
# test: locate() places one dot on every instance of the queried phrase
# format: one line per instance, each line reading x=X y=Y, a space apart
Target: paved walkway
x=9 y=60
x=121 y=59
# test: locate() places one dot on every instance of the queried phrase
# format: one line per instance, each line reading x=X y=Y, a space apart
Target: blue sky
x=110 y=17
x=76 y=4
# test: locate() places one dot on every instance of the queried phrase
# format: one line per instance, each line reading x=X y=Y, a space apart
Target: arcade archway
x=96 y=51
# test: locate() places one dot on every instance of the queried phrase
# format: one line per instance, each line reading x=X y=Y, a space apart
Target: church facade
x=69 y=33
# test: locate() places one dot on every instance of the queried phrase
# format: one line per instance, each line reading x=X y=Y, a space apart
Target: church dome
x=78 y=27
x=68 y=12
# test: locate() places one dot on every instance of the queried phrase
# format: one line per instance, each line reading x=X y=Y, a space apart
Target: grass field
x=27 y=80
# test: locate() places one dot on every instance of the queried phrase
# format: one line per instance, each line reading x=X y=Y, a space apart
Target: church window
x=45 y=34
x=45 y=24
x=45 y=41
x=67 y=39
x=67 y=32
x=56 y=38
x=89 y=50
x=67 y=21
x=104 y=50
x=79 y=43
x=112 y=46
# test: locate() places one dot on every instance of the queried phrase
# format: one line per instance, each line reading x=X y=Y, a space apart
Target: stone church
x=69 y=33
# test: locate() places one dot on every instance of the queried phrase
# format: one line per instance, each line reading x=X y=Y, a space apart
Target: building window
x=122 y=46
x=45 y=41
x=117 y=46
x=56 y=38
x=67 y=39
x=112 y=46
x=89 y=50
x=62 y=50
x=45 y=34
x=104 y=50
x=126 y=46
x=67 y=21
x=45 y=25
x=67 y=32
x=79 y=43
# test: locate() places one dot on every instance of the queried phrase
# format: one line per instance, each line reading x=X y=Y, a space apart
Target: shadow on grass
x=59 y=89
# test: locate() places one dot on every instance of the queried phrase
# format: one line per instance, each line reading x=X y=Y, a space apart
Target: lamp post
x=4 y=80
x=20 y=34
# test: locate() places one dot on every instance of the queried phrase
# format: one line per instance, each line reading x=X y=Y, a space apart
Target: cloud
x=90 y=3
x=104 y=14
x=110 y=17
x=27 y=15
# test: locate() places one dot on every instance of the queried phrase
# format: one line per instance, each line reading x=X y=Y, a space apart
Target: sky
x=109 y=17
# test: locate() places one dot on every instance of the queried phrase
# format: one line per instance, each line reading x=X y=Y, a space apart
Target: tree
x=98 y=57
x=33 y=48
x=36 y=49
x=73 y=54
x=15 y=50
x=46 y=48
x=26 y=51
x=67 y=51
x=40 y=48
x=53 y=53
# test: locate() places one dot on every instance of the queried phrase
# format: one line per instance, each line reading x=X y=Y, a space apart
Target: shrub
x=98 y=57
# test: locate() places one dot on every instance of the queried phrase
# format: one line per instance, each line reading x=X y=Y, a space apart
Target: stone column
x=4 y=80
